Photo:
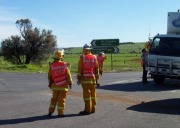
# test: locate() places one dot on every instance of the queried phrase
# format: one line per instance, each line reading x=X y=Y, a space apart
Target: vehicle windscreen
x=167 y=46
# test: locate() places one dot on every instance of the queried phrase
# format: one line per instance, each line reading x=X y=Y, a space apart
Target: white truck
x=164 y=54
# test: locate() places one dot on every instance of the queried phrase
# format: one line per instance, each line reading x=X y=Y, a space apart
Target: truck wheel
x=159 y=79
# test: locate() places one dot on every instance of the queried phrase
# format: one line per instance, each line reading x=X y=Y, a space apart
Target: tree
x=12 y=49
x=32 y=46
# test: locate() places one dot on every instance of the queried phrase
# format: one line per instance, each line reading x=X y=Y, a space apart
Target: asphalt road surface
x=122 y=102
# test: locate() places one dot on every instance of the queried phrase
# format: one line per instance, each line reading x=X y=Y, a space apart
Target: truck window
x=176 y=45
x=154 y=46
x=165 y=46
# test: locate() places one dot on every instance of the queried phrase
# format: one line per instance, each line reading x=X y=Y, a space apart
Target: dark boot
x=84 y=113
x=98 y=84
x=61 y=116
x=49 y=114
x=93 y=111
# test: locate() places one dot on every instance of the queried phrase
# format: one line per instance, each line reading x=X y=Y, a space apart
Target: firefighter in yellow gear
x=87 y=76
x=101 y=57
x=147 y=45
x=59 y=77
x=144 y=57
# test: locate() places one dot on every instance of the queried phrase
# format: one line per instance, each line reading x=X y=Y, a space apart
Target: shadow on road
x=138 y=86
x=32 y=119
x=167 y=106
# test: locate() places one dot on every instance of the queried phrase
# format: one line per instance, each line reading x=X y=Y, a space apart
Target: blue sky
x=77 y=22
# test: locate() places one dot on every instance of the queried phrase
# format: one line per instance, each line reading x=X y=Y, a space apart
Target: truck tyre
x=159 y=79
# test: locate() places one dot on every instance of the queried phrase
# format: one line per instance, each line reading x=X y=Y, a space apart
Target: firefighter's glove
x=78 y=82
x=49 y=86
x=97 y=84
x=70 y=86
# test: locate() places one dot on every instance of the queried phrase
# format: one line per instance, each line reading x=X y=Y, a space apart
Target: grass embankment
x=127 y=60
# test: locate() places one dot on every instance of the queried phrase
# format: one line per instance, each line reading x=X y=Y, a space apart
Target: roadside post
x=108 y=46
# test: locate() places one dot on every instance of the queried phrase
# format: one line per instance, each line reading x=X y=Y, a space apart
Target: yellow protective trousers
x=101 y=70
x=59 y=98
x=89 y=96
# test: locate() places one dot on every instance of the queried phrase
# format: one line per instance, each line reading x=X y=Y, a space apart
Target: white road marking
x=16 y=78
x=125 y=81
x=173 y=91
x=12 y=79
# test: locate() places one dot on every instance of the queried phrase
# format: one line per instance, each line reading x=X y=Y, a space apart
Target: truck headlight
x=176 y=66
x=151 y=63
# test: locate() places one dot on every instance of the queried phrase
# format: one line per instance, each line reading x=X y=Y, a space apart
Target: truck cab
x=164 y=54
x=164 y=57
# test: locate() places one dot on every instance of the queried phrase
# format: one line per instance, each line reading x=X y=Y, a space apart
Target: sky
x=77 y=22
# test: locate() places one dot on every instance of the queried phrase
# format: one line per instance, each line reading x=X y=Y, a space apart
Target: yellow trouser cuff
x=60 y=108
x=87 y=99
x=52 y=106
x=93 y=98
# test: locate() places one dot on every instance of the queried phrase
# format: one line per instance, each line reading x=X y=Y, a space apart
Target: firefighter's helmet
x=59 y=54
x=148 y=45
x=87 y=47
x=101 y=53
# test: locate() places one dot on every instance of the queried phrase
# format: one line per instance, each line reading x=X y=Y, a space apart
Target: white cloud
x=67 y=41
x=8 y=14
x=8 y=30
x=8 y=17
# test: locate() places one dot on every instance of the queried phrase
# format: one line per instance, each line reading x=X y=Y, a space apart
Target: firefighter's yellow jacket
x=54 y=87
x=84 y=80
x=101 y=59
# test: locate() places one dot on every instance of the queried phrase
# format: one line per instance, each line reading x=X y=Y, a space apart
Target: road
x=122 y=102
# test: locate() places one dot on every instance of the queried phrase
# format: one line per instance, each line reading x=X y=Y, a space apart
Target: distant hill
x=122 y=43
x=128 y=47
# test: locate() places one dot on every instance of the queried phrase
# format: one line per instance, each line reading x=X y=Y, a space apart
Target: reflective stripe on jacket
x=59 y=73
x=89 y=64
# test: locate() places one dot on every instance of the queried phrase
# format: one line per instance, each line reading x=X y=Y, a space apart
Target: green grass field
x=127 y=60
